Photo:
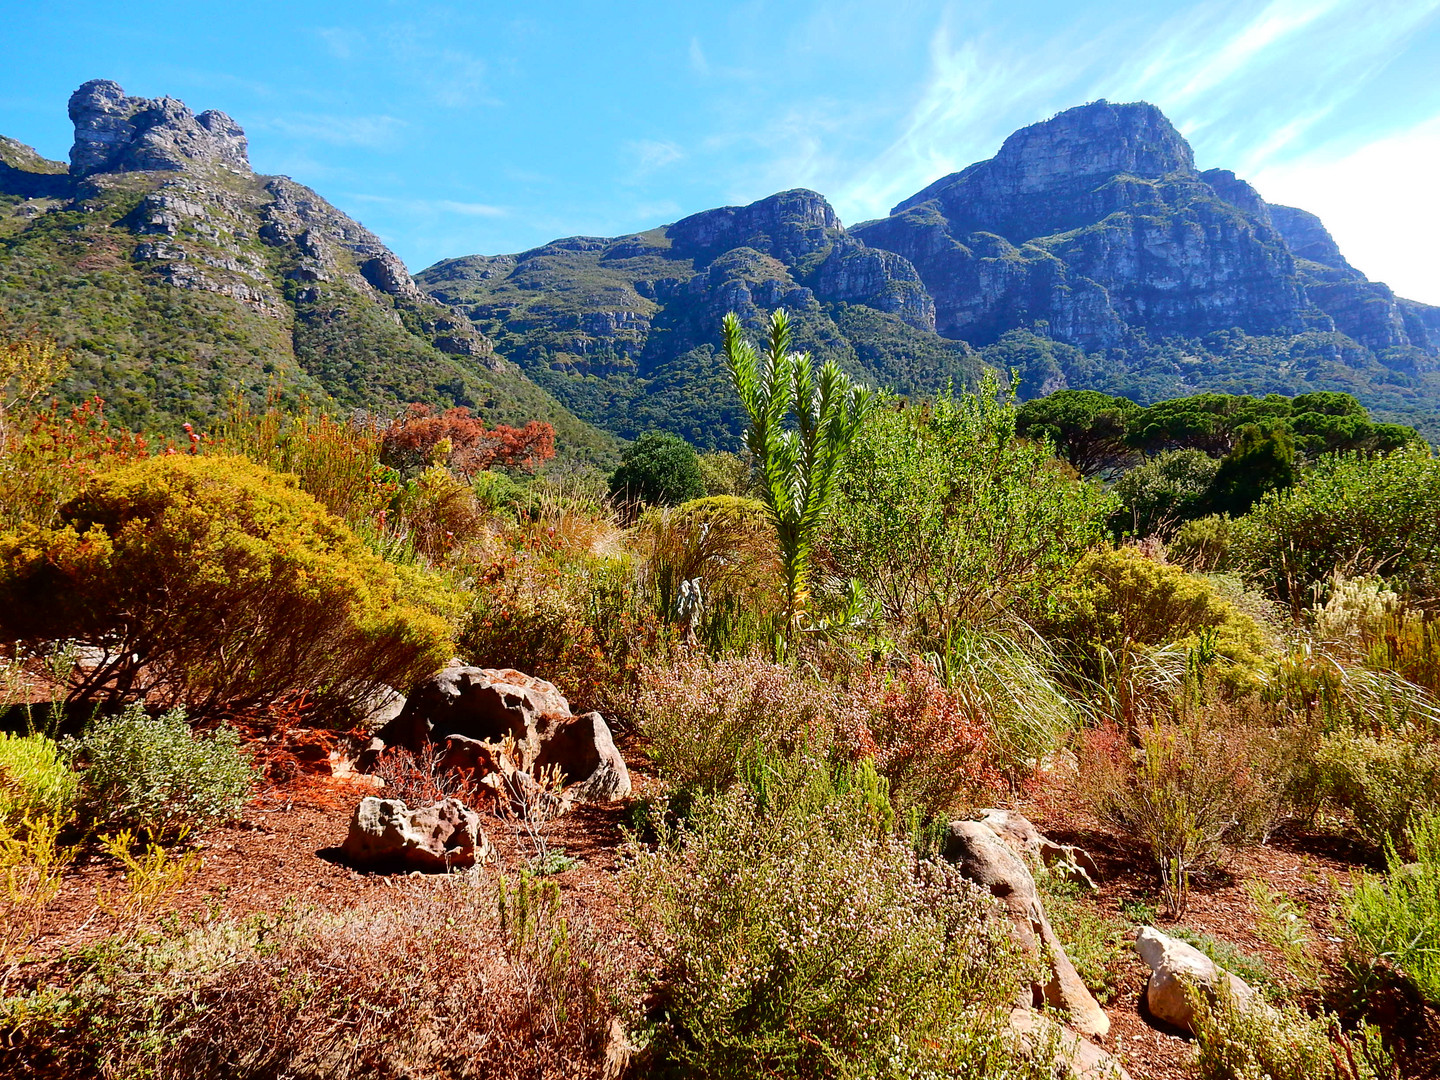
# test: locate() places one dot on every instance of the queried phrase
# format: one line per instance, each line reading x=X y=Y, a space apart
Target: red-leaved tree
x=410 y=442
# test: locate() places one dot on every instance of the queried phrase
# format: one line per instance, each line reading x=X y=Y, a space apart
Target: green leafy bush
x=35 y=779
x=1202 y=546
x=658 y=468
x=155 y=775
x=1394 y=919
x=210 y=581
x=1350 y=514
x=1167 y=490
x=796 y=941
x=1378 y=781
x=946 y=516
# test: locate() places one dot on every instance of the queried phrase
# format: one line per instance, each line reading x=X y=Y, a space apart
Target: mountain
x=624 y=331
x=177 y=276
x=1088 y=253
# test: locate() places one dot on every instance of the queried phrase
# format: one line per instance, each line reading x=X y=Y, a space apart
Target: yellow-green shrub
x=212 y=581
x=723 y=542
x=1120 y=598
x=34 y=779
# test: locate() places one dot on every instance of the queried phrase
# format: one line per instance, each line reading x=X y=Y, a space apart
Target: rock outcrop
x=984 y=858
x=385 y=834
x=469 y=710
x=1174 y=968
x=116 y=133
x=1075 y=1058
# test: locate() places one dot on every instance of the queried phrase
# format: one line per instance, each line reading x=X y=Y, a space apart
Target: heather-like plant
x=801 y=424
x=210 y=582
x=794 y=940
x=158 y=777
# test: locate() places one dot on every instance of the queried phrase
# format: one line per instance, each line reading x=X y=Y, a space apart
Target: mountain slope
x=624 y=330
x=177 y=276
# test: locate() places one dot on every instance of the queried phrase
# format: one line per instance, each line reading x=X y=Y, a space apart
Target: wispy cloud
x=652 y=154
x=430 y=206
x=374 y=132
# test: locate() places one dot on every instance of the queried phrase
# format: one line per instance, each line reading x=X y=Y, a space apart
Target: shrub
x=1394 y=919
x=1202 y=546
x=437 y=513
x=1282 y=1044
x=155 y=775
x=658 y=468
x=1350 y=514
x=1378 y=781
x=1119 y=598
x=726 y=474
x=212 y=582
x=947 y=517
x=793 y=941
x=462 y=443
x=436 y=985
x=35 y=779
x=701 y=716
x=1357 y=607
x=1169 y=489
x=1184 y=794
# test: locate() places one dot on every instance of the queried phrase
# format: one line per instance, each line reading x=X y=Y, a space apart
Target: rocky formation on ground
x=985 y=858
x=186 y=275
x=468 y=712
x=1175 y=970
x=385 y=834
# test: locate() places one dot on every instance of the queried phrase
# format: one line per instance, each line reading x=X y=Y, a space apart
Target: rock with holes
x=984 y=858
x=584 y=752
x=385 y=834
x=485 y=704
x=1065 y=860
x=1175 y=966
x=1075 y=1058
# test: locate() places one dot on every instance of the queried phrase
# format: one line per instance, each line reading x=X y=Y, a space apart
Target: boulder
x=485 y=704
x=437 y=837
x=1065 y=860
x=378 y=707
x=584 y=752
x=984 y=858
x=1173 y=965
x=1075 y=1058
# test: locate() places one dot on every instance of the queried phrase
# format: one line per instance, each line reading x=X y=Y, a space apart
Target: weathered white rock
x=1173 y=965
x=440 y=836
x=584 y=751
x=1065 y=860
x=1076 y=1058
x=987 y=860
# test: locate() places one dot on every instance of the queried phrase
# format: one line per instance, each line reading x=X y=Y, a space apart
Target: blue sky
x=492 y=127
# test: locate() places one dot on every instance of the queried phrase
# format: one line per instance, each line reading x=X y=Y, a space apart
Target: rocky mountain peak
x=118 y=133
x=787 y=225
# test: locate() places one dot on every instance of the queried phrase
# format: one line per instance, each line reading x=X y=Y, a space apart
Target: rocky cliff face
x=623 y=330
x=187 y=276
x=116 y=133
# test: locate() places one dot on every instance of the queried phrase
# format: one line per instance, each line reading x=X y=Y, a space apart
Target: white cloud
x=375 y=132
x=653 y=154
x=431 y=207
x=1378 y=202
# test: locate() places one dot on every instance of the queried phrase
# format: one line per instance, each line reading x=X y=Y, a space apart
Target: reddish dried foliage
x=410 y=441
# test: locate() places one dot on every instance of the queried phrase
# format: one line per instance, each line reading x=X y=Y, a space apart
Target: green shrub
x=1099 y=945
x=1282 y=1044
x=658 y=468
x=947 y=517
x=1170 y=488
x=795 y=941
x=1394 y=920
x=1119 y=598
x=155 y=775
x=35 y=779
x=1375 y=782
x=1202 y=546
x=1351 y=514
x=209 y=582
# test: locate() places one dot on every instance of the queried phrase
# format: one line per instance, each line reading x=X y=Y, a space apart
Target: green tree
x=1262 y=460
x=1086 y=427
x=801 y=424
x=658 y=469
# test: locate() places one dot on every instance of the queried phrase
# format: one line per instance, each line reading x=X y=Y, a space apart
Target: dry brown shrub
x=444 y=985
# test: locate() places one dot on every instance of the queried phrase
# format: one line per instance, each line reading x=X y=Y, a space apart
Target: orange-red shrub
x=409 y=443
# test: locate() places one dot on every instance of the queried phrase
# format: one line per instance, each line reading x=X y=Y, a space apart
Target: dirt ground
x=284 y=852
